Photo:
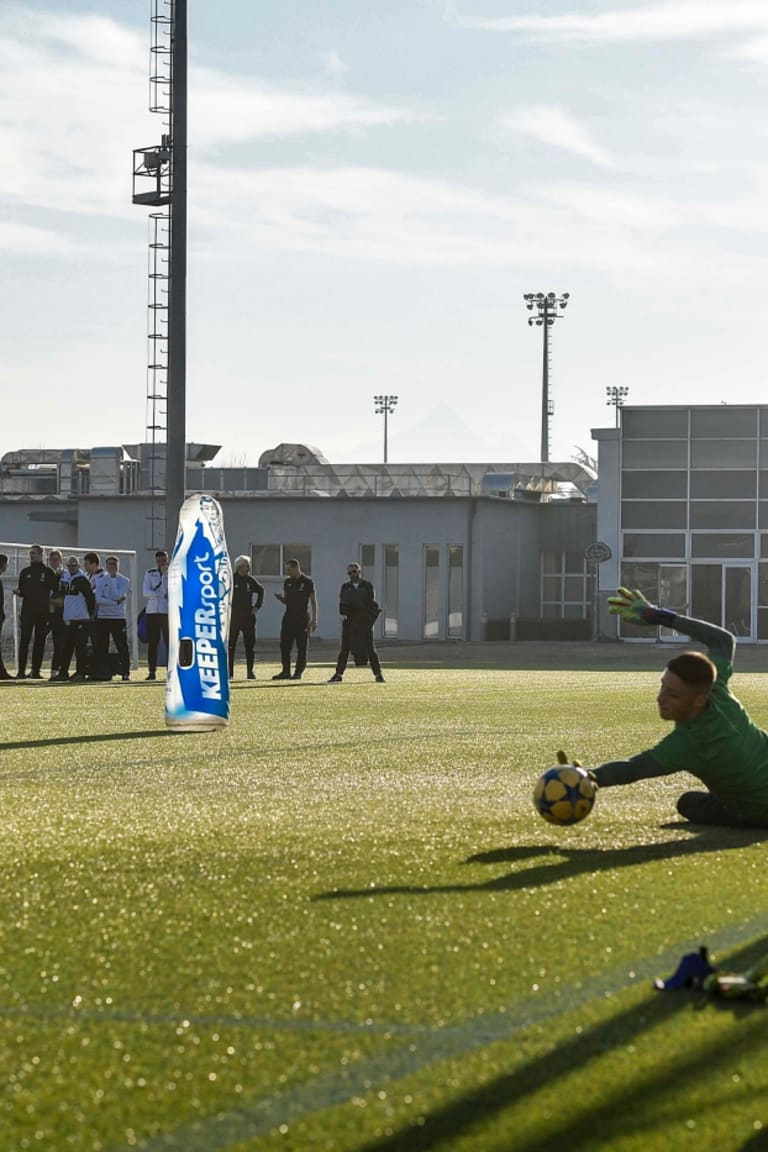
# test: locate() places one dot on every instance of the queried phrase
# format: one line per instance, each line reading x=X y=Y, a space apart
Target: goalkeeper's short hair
x=694 y=669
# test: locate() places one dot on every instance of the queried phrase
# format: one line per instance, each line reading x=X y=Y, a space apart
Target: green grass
x=339 y=924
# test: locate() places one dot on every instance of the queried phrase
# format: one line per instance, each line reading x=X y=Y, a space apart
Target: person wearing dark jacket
x=37 y=584
x=4 y=674
x=247 y=599
x=358 y=607
x=299 y=619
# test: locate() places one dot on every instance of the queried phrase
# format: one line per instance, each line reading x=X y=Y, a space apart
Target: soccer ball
x=564 y=795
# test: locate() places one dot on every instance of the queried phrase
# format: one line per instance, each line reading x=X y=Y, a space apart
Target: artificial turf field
x=339 y=924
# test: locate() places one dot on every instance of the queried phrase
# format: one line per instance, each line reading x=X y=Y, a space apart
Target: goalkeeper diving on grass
x=713 y=737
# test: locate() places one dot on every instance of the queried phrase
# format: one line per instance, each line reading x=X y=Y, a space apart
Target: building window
x=455 y=591
x=654 y=453
x=714 y=423
x=566 y=583
x=723 y=453
x=368 y=562
x=391 y=602
x=270 y=559
x=654 y=514
x=661 y=485
x=658 y=423
x=659 y=544
x=664 y=584
x=722 y=484
x=723 y=514
x=431 y=629
x=728 y=545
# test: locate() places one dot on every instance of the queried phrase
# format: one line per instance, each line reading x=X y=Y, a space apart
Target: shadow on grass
x=626 y=1104
x=756 y=1143
x=97 y=738
x=578 y=861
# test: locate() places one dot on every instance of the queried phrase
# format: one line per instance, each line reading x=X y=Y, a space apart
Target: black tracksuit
x=294 y=628
x=243 y=617
x=37 y=584
x=357 y=604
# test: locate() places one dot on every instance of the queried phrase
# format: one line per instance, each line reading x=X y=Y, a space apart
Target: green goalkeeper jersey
x=723 y=747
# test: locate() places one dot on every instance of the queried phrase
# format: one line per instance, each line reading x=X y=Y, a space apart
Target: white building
x=456 y=551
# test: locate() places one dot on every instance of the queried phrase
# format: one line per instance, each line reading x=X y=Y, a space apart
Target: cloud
x=676 y=20
x=398 y=219
x=755 y=50
x=74 y=95
x=552 y=125
x=228 y=109
x=333 y=65
x=29 y=241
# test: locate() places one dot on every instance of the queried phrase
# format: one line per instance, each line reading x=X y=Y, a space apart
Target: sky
x=373 y=186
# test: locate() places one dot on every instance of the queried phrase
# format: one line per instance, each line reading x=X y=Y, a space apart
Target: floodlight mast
x=616 y=394
x=177 y=288
x=548 y=307
x=160 y=182
x=385 y=405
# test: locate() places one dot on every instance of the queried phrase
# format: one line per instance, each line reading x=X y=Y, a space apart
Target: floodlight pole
x=385 y=404
x=548 y=308
x=616 y=396
x=177 y=285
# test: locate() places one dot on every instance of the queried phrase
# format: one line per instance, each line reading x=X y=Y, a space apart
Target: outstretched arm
x=640 y=767
x=635 y=609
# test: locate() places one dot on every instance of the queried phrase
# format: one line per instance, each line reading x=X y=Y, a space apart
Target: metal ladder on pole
x=152 y=183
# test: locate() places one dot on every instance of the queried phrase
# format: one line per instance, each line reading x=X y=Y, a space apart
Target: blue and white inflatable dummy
x=199 y=600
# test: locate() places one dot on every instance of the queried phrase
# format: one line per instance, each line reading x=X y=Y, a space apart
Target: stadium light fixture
x=616 y=394
x=548 y=308
x=385 y=405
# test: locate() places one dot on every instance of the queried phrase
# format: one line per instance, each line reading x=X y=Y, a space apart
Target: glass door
x=673 y=593
x=737 y=600
x=722 y=594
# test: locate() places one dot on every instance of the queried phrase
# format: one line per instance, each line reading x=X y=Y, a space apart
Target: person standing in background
x=37 y=584
x=156 y=595
x=79 y=605
x=4 y=673
x=299 y=619
x=111 y=592
x=247 y=599
x=56 y=564
x=358 y=607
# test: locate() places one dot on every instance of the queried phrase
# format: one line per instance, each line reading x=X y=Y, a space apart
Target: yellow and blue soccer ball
x=564 y=795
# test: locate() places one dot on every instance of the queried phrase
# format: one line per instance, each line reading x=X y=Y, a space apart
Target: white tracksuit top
x=108 y=590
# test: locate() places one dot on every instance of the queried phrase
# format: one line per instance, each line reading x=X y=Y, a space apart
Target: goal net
x=18 y=558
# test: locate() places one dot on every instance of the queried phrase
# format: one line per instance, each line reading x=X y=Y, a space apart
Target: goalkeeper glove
x=562 y=759
x=633 y=607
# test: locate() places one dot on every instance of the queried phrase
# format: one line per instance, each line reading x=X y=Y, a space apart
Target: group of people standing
x=359 y=612
x=357 y=606
x=84 y=611
x=80 y=608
